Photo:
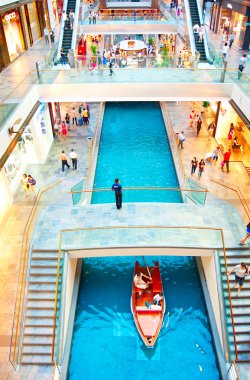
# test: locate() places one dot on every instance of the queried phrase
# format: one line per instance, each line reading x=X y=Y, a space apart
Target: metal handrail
x=23 y=273
x=241 y=199
x=140 y=188
x=145 y=227
x=229 y=295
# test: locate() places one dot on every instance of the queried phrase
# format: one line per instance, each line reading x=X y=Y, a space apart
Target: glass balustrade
x=132 y=70
x=134 y=236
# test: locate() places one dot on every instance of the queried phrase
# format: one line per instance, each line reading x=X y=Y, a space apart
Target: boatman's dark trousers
x=118 y=200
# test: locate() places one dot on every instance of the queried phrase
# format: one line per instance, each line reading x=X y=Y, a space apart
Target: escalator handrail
x=205 y=38
x=61 y=32
x=75 y=27
x=190 y=28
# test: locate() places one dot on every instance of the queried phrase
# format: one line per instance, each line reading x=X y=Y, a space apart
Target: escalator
x=196 y=20
x=67 y=32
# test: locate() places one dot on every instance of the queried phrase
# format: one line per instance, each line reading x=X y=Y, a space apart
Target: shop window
x=34 y=21
x=13 y=34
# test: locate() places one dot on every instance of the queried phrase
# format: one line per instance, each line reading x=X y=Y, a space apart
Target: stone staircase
x=39 y=313
x=240 y=305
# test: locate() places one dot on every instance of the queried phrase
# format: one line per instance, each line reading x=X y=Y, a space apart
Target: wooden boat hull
x=147 y=320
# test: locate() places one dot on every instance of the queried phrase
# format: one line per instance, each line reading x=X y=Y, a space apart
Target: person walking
x=64 y=131
x=226 y=158
x=225 y=50
x=63 y=56
x=46 y=35
x=201 y=33
x=196 y=31
x=64 y=19
x=85 y=116
x=71 y=19
x=215 y=154
x=64 y=160
x=73 y=116
x=67 y=121
x=243 y=241
x=117 y=188
x=52 y=36
x=194 y=164
x=25 y=185
x=241 y=271
x=223 y=39
x=242 y=65
x=94 y=18
x=201 y=168
x=32 y=183
x=198 y=126
x=231 y=40
x=181 y=139
x=73 y=155
x=90 y=18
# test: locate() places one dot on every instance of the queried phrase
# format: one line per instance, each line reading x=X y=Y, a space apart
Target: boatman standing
x=117 y=188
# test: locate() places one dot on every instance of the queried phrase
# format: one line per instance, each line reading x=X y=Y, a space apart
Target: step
x=37 y=360
x=43 y=271
x=241 y=320
x=240 y=329
x=44 y=322
x=42 y=279
x=239 y=338
x=38 y=331
x=239 y=311
x=40 y=313
x=239 y=302
x=40 y=305
x=39 y=255
x=37 y=340
x=244 y=290
x=42 y=287
x=39 y=350
x=43 y=263
x=232 y=261
x=41 y=296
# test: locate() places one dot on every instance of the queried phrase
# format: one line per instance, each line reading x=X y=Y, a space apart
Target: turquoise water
x=106 y=344
x=134 y=147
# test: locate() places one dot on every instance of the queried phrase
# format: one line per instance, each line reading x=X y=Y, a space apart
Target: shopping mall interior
x=124 y=182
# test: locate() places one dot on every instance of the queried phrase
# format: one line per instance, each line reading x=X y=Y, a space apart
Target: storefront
x=32 y=148
x=20 y=28
x=13 y=33
x=239 y=142
x=232 y=16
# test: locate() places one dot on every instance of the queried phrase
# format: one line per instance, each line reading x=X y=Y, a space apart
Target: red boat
x=148 y=317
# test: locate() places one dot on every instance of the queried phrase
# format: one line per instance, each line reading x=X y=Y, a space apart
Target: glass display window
x=16 y=164
x=34 y=21
x=13 y=34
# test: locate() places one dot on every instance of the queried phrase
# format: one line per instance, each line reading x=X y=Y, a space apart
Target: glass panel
x=199 y=197
x=141 y=237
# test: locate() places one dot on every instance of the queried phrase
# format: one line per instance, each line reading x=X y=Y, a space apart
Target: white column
x=51 y=14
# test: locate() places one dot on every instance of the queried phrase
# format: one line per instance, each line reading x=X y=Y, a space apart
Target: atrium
x=124 y=183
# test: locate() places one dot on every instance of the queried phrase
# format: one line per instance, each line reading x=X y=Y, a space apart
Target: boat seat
x=145 y=308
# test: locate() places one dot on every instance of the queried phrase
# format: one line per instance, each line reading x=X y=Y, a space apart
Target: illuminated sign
x=10 y=16
x=229 y=6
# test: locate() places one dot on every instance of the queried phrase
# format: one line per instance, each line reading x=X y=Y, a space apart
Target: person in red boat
x=140 y=283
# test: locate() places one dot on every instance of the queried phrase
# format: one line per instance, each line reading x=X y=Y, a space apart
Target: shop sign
x=40 y=118
x=10 y=16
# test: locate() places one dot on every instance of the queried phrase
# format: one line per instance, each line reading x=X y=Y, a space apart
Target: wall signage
x=10 y=16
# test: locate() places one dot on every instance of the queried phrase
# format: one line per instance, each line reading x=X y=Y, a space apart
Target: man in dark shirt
x=117 y=188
